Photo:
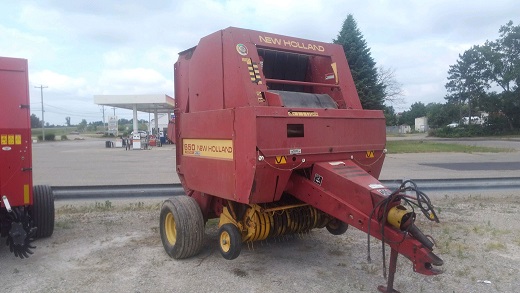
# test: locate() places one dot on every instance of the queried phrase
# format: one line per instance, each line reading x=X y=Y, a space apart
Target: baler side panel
x=208 y=173
x=181 y=82
x=206 y=91
x=245 y=152
x=15 y=132
x=346 y=81
x=323 y=72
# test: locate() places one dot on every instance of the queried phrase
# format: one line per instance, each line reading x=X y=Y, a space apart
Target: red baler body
x=15 y=133
x=222 y=108
x=261 y=118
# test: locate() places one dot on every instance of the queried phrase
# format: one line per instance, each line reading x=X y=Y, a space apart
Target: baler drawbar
x=272 y=140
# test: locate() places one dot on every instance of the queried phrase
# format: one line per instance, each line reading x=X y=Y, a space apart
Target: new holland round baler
x=26 y=212
x=272 y=140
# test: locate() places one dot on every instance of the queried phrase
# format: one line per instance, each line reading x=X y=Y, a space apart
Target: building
x=421 y=124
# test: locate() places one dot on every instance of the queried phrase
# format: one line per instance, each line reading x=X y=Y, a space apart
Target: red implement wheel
x=230 y=241
x=181 y=227
x=42 y=211
x=337 y=227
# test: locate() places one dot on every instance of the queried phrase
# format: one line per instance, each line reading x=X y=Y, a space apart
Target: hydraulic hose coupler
x=402 y=219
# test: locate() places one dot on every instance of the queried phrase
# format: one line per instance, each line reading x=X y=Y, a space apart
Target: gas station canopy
x=141 y=103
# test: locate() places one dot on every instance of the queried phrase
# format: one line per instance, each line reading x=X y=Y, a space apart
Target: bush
x=48 y=137
x=471 y=131
x=64 y=137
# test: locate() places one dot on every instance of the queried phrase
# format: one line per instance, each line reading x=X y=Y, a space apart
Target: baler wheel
x=181 y=227
x=42 y=211
x=337 y=227
x=230 y=241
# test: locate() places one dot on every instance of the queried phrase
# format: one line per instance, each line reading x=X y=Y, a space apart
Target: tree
x=363 y=67
x=67 y=121
x=466 y=80
x=417 y=109
x=392 y=88
x=82 y=126
x=496 y=64
x=502 y=63
x=390 y=116
x=35 y=121
x=440 y=115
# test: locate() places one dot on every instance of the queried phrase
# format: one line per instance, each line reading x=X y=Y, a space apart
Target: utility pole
x=41 y=87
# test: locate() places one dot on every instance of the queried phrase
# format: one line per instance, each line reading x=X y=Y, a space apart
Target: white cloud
x=56 y=81
x=117 y=58
x=15 y=43
x=133 y=81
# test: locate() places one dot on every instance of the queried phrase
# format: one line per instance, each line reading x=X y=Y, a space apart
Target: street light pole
x=41 y=87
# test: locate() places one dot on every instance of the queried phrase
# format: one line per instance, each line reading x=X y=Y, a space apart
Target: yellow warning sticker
x=3 y=139
x=10 y=139
x=370 y=154
x=17 y=139
x=280 y=160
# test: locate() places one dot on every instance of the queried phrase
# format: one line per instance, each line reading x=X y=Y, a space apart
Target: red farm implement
x=272 y=140
x=26 y=213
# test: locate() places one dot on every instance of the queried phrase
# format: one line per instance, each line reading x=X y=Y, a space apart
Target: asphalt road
x=89 y=162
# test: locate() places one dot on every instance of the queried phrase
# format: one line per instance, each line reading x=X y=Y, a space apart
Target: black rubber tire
x=230 y=241
x=181 y=227
x=336 y=227
x=42 y=211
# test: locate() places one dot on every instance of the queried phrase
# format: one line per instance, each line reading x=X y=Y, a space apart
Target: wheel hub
x=169 y=227
x=225 y=241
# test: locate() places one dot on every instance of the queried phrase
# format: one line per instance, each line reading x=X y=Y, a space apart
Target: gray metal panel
x=306 y=100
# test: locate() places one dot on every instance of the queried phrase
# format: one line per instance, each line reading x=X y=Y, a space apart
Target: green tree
x=440 y=115
x=363 y=67
x=502 y=63
x=466 y=81
x=67 y=121
x=35 y=121
x=417 y=109
x=494 y=65
x=82 y=126
x=124 y=121
x=390 y=116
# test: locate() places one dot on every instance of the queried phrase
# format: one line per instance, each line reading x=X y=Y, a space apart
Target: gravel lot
x=115 y=247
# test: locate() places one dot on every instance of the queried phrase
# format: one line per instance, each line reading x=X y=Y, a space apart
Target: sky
x=81 y=48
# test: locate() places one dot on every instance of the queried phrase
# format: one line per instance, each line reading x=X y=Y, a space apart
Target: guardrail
x=166 y=190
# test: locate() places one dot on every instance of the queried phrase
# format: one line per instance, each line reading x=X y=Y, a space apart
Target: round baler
x=272 y=140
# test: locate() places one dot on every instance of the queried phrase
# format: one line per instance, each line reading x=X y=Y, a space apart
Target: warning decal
x=10 y=139
x=209 y=148
x=280 y=160
x=370 y=154
x=254 y=72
